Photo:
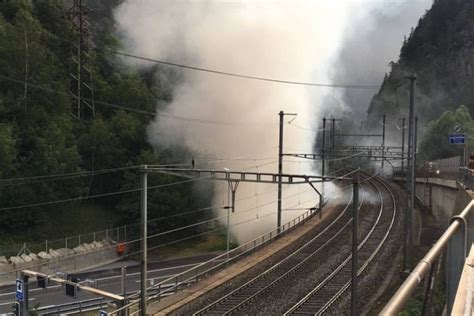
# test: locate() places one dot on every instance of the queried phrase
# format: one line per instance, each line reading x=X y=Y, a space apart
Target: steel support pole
x=123 y=284
x=383 y=140
x=280 y=170
x=25 y=306
x=143 y=262
x=355 y=204
x=407 y=233
x=323 y=152
x=403 y=143
x=413 y=163
x=333 y=141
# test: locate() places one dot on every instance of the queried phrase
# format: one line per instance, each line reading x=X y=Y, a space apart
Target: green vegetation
x=435 y=145
x=209 y=243
x=439 y=51
x=39 y=136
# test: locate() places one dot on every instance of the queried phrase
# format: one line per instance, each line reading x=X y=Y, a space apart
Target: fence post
x=94 y=236
x=79 y=239
x=46 y=245
x=455 y=260
x=125 y=233
x=65 y=242
x=106 y=234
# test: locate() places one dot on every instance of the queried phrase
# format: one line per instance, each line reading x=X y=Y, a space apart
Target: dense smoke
x=371 y=41
x=288 y=40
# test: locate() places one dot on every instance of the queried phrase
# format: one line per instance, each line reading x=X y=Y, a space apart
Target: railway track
x=326 y=294
x=302 y=261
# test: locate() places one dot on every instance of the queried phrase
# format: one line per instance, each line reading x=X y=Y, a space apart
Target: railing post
x=456 y=257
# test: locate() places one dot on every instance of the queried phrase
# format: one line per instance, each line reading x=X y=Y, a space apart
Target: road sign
x=102 y=313
x=456 y=139
x=457 y=128
x=19 y=290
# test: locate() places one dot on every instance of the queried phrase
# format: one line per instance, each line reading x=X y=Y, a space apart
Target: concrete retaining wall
x=445 y=198
x=83 y=257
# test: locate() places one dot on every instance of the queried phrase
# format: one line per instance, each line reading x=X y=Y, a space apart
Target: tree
x=435 y=144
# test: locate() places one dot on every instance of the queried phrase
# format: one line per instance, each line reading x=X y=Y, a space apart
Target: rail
x=216 y=264
x=406 y=290
x=324 y=299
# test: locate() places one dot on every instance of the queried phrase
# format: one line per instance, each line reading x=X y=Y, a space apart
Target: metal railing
x=205 y=269
x=455 y=238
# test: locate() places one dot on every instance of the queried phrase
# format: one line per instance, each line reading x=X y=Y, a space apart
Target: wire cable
x=138 y=111
x=230 y=74
x=73 y=174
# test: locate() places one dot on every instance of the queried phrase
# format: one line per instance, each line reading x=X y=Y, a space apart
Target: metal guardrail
x=456 y=236
x=217 y=263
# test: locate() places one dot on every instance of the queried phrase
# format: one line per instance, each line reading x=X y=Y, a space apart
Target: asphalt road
x=108 y=278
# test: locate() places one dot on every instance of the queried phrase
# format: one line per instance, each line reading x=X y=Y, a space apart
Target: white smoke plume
x=288 y=40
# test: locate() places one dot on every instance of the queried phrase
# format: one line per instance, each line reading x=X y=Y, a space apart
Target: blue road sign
x=457 y=138
x=102 y=313
x=19 y=290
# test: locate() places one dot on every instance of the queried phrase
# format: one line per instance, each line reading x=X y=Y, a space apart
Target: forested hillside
x=40 y=137
x=440 y=51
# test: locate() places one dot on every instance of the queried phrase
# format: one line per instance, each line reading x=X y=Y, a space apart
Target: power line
x=80 y=198
x=43 y=179
x=121 y=107
x=230 y=74
x=115 y=193
x=61 y=175
x=66 y=176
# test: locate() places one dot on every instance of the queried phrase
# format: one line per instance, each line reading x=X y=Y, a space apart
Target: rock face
x=440 y=51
